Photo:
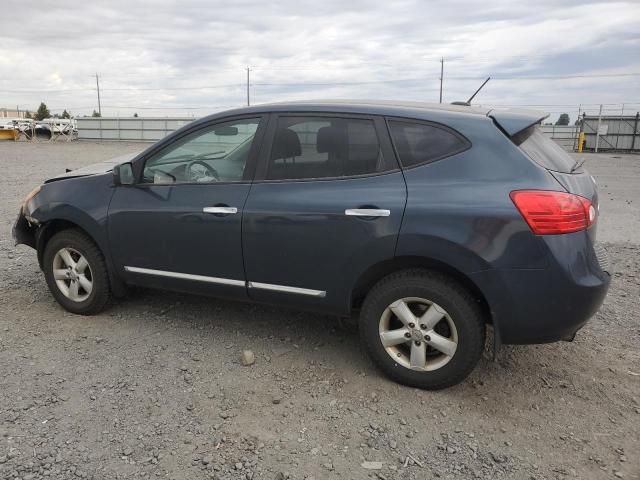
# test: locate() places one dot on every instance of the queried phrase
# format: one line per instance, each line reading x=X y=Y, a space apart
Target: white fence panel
x=153 y=129
x=128 y=129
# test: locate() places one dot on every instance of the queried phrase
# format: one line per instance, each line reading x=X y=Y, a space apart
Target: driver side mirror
x=123 y=174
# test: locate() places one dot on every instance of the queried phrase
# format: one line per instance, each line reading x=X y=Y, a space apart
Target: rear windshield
x=544 y=151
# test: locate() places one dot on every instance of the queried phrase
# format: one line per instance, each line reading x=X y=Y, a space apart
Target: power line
x=334 y=83
x=551 y=77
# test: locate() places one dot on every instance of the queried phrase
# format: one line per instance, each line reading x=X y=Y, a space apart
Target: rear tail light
x=552 y=213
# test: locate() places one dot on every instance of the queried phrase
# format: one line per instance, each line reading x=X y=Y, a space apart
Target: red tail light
x=552 y=213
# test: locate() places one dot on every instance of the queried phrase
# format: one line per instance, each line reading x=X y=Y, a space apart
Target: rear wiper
x=577 y=165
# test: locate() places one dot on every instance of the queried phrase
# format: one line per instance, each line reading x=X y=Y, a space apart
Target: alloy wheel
x=72 y=274
x=418 y=334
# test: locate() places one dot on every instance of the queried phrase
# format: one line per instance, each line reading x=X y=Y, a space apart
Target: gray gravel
x=155 y=386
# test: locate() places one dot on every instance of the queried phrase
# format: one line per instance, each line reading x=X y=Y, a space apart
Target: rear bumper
x=541 y=306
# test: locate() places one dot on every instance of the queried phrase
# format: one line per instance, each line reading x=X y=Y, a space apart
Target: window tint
x=321 y=147
x=420 y=143
x=215 y=154
x=545 y=152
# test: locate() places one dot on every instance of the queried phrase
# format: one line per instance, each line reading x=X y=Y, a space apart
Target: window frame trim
x=388 y=155
x=429 y=123
x=250 y=166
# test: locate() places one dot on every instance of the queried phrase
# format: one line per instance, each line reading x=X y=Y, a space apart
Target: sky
x=190 y=58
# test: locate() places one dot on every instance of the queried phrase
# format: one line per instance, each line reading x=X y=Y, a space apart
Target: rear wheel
x=422 y=329
x=76 y=272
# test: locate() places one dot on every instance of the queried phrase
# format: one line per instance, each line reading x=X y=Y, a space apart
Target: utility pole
x=248 y=101
x=441 y=75
x=98 y=87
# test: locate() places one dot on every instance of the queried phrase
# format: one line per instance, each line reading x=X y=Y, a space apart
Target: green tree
x=43 y=112
x=563 y=119
x=66 y=114
x=96 y=114
x=27 y=114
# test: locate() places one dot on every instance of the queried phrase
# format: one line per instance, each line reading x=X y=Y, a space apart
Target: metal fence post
x=635 y=132
x=598 y=129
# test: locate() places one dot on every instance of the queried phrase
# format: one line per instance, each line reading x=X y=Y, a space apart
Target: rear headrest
x=331 y=140
x=286 y=144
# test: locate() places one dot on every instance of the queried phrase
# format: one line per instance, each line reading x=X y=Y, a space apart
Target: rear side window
x=418 y=143
x=545 y=152
x=324 y=147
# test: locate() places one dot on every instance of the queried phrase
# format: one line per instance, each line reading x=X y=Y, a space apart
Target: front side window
x=324 y=147
x=214 y=154
x=418 y=143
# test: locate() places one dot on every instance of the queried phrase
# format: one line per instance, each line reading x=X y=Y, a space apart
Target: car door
x=179 y=227
x=326 y=205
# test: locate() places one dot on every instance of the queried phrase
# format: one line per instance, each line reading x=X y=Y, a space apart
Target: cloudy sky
x=189 y=58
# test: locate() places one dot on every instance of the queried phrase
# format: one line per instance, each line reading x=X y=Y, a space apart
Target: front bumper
x=542 y=306
x=24 y=232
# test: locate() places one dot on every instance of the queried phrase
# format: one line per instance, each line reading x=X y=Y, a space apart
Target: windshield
x=546 y=153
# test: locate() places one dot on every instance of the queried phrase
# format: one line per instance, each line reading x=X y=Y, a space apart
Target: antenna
x=476 y=92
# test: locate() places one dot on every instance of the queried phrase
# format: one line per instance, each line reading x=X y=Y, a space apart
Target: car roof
x=367 y=107
x=511 y=121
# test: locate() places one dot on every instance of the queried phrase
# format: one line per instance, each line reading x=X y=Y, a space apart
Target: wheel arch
x=377 y=272
x=55 y=225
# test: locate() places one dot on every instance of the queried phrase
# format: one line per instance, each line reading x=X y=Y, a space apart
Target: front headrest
x=286 y=144
x=331 y=140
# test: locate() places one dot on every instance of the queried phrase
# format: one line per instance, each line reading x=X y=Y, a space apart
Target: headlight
x=32 y=194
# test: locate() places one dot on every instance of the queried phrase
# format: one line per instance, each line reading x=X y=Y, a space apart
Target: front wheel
x=422 y=329
x=76 y=273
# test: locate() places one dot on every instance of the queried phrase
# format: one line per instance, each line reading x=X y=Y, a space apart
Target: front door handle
x=220 y=210
x=367 y=212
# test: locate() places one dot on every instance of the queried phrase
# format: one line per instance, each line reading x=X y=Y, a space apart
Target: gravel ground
x=154 y=386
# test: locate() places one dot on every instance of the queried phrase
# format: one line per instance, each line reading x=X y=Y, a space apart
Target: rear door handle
x=367 y=212
x=220 y=210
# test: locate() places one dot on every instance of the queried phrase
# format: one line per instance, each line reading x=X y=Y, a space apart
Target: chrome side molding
x=228 y=281
x=285 y=289
x=186 y=276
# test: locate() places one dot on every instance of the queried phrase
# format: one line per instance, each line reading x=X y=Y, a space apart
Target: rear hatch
x=522 y=128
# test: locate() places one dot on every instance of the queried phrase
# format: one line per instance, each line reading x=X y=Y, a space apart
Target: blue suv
x=430 y=221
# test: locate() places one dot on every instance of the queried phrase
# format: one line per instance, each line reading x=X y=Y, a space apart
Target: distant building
x=7 y=113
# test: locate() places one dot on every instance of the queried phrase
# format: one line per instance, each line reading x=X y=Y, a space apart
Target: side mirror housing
x=123 y=174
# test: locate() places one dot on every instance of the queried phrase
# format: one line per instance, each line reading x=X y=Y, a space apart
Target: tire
x=83 y=300
x=462 y=326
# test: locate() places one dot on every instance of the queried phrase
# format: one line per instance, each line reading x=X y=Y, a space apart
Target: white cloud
x=149 y=54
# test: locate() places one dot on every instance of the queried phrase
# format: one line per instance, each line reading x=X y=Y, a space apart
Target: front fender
x=82 y=203
x=55 y=213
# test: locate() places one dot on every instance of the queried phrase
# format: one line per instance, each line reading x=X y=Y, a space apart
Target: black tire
x=461 y=307
x=100 y=294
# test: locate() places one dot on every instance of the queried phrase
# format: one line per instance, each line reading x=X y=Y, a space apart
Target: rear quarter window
x=418 y=143
x=544 y=151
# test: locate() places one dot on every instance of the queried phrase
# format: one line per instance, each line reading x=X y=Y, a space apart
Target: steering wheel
x=200 y=171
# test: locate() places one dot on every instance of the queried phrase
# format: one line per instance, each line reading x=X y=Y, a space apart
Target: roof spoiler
x=513 y=122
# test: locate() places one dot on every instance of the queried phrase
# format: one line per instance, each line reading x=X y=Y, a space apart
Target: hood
x=95 y=168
